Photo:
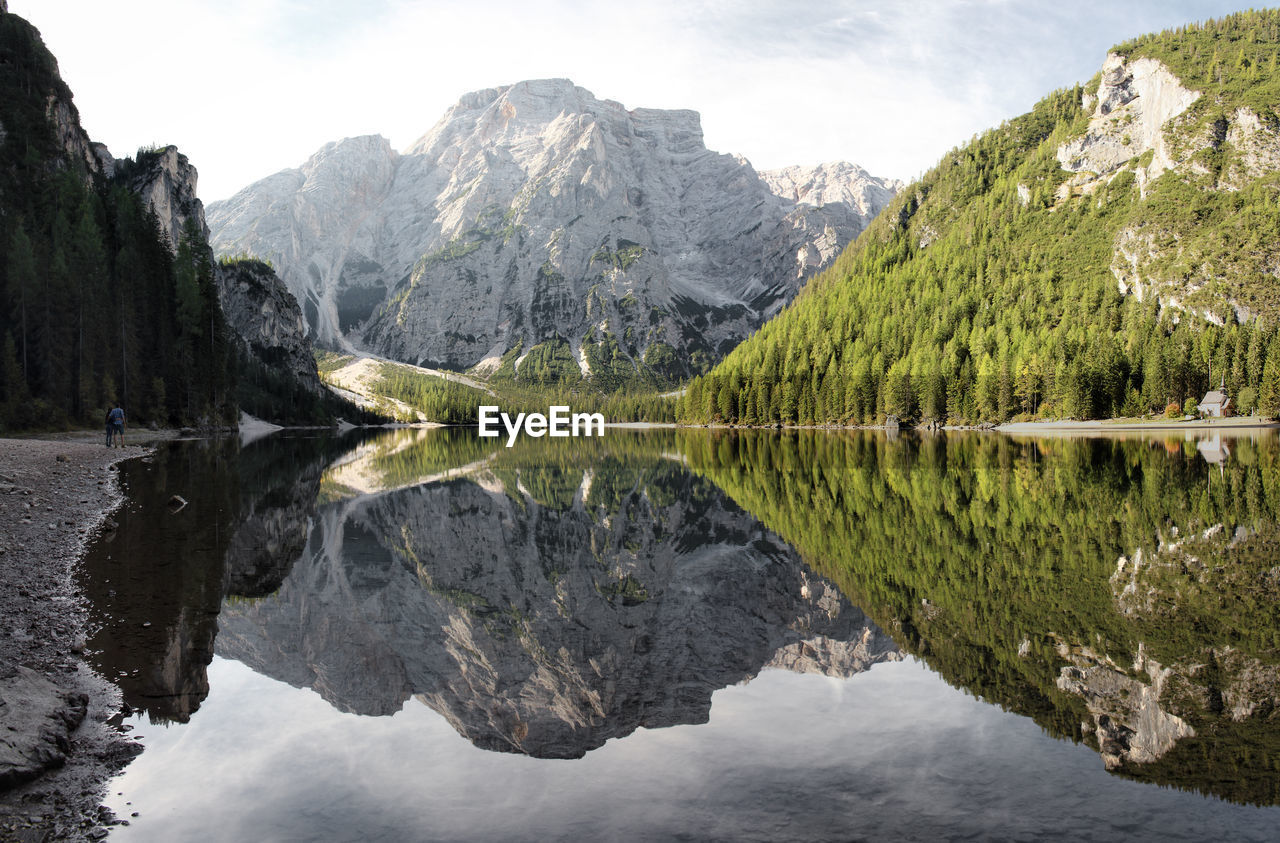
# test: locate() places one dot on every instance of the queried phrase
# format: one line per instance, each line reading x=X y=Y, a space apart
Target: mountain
x=272 y=357
x=1114 y=251
x=166 y=182
x=536 y=219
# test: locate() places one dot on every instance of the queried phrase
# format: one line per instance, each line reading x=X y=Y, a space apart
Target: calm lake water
x=697 y=635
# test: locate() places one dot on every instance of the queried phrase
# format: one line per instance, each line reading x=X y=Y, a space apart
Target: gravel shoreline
x=57 y=748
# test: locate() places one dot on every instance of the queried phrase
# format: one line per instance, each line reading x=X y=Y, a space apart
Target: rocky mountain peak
x=538 y=213
x=355 y=149
x=555 y=106
x=832 y=182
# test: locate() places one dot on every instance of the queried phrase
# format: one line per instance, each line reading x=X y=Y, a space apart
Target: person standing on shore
x=115 y=426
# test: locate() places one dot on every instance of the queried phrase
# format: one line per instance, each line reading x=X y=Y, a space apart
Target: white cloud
x=249 y=87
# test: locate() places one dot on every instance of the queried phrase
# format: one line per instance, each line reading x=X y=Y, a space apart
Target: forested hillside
x=1082 y=260
x=95 y=307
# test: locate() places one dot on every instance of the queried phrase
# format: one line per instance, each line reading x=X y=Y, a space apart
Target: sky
x=246 y=88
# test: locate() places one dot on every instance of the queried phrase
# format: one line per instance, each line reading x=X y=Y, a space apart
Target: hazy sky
x=249 y=87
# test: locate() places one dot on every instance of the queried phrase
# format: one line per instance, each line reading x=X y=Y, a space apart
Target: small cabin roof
x=1214 y=397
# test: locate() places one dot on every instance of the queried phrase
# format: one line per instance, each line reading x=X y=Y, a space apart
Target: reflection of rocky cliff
x=1226 y=692
x=158 y=580
x=280 y=481
x=622 y=599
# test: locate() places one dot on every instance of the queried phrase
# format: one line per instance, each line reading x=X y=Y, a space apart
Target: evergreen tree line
x=1126 y=375
x=441 y=401
x=451 y=403
x=97 y=311
x=447 y=402
x=271 y=393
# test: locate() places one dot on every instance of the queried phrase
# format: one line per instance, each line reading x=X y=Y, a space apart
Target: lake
x=693 y=634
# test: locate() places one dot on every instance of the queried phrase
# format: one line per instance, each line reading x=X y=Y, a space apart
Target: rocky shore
x=57 y=746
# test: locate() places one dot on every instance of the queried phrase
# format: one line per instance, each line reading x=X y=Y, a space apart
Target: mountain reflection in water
x=547 y=598
x=542 y=600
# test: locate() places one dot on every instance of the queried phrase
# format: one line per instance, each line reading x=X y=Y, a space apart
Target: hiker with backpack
x=115 y=426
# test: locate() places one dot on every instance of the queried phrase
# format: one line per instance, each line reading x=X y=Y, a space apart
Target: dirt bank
x=57 y=749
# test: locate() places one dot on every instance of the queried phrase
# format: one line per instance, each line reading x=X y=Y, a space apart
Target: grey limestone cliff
x=267 y=320
x=166 y=182
x=538 y=213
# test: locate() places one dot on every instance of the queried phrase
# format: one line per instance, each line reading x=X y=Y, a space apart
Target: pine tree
x=1269 y=392
x=1005 y=398
x=899 y=397
x=87 y=265
x=13 y=383
x=21 y=281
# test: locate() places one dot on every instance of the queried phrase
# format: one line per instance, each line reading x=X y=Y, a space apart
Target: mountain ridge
x=538 y=215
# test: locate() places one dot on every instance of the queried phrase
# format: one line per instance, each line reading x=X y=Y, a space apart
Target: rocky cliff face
x=842 y=185
x=536 y=213
x=1133 y=102
x=166 y=181
x=75 y=143
x=34 y=85
x=1145 y=123
x=267 y=320
x=1131 y=723
x=579 y=622
x=259 y=309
